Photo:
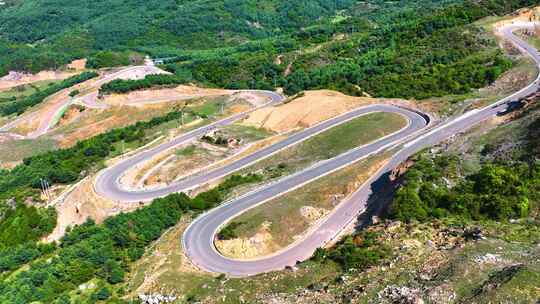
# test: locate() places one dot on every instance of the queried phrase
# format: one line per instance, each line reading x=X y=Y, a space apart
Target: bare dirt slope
x=15 y=78
x=160 y=95
x=309 y=109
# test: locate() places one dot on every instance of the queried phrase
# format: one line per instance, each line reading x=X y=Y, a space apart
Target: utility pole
x=42 y=186
x=48 y=186
x=45 y=189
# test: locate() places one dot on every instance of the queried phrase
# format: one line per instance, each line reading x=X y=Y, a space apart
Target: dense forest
x=394 y=50
x=495 y=192
x=384 y=48
x=91 y=251
x=415 y=54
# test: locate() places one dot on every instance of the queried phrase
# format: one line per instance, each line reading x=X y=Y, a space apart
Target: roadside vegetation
x=19 y=106
x=70 y=164
x=97 y=252
x=120 y=86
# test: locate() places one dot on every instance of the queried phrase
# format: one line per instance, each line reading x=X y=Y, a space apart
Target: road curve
x=89 y=100
x=199 y=237
x=108 y=184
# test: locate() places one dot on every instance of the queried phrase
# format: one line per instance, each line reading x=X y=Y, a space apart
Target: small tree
x=74 y=93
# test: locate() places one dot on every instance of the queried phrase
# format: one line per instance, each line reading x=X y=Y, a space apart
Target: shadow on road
x=383 y=190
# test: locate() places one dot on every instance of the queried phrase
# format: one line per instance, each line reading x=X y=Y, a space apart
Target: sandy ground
x=161 y=95
x=14 y=79
x=523 y=15
x=82 y=125
x=258 y=245
x=83 y=203
x=77 y=65
x=310 y=109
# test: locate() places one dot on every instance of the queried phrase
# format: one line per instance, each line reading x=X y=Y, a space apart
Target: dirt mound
x=150 y=96
x=77 y=65
x=307 y=110
x=260 y=244
x=14 y=79
x=523 y=15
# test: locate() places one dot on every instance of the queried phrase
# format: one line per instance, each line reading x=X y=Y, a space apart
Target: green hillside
x=386 y=48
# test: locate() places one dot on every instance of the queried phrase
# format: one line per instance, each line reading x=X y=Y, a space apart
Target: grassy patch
x=292 y=214
x=16 y=150
x=187 y=151
x=25 y=90
x=330 y=143
x=246 y=133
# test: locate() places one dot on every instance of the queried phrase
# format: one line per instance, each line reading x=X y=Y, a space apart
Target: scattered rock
x=85 y=286
x=401 y=295
x=488 y=258
x=313 y=214
x=156 y=299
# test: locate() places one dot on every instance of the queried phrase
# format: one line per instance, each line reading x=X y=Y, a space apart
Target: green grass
x=330 y=143
x=16 y=150
x=246 y=133
x=187 y=151
x=208 y=108
x=284 y=212
x=25 y=89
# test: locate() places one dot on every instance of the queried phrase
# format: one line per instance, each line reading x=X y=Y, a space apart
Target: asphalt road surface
x=50 y=116
x=198 y=240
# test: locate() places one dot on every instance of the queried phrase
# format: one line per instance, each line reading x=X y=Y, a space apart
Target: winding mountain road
x=51 y=116
x=108 y=182
x=198 y=239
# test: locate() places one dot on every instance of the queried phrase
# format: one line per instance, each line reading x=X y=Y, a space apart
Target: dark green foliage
x=533 y=139
x=108 y=59
x=496 y=191
x=20 y=227
x=125 y=86
x=13 y=257
x=412 y=53
x=19 y=106
x=25 y=223
x=102 y=294
x=392 y=49
x=355 y=252
x=74 y=93
x=229 y=231
x=104 y=251
x=63 y=30
x=212 y=197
